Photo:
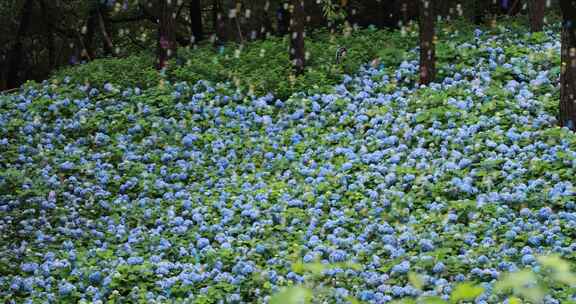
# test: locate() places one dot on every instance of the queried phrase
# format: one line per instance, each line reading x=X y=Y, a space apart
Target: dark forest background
x=40 y=36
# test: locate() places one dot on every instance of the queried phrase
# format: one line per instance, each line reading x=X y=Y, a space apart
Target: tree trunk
x=404 y=12
x=537 y=9
x=427 y=48
x=382 y=13
x=266 y=28
x=350 y=11
x=567 y=117
x=16 y=55
x=166 y=47
x=390 y=13
x=102 y=15
x=218 y=20
x=89 y=36
x=237 y=18
x=443 y=9
x=515 y=7
x=504 y=6
x=479 y=12
x=91 y=25
x=283 y=18
x=50 y=37
x=196 y=27
x=297 y=51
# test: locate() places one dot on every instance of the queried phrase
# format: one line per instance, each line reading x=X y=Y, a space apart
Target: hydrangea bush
x=199 y=193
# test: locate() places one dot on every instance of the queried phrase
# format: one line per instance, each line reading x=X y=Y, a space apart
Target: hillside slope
x=196 y=191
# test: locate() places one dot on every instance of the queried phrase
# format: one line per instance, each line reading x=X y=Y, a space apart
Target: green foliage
x=258 y=67
x=523 y=284
x=312 y=287
x=416 y=280
x=558 y=269
x=333 y=11
x=133 y=71
x=466 y=292
x=263 y=66
x=293 y=295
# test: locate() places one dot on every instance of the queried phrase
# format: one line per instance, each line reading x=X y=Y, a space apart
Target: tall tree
x=427 y=47
x=567 y=117
x=196 y=27
x=236 y=17
x=515 y=6
x=388 y=13
x=103 y=17
x=266 y=28
x=297 y=51
x=219 y=24
x=536 y=10
x=283 y=19
x=91 y=25
x=49 y=35
x=479 y=11
x=166 y=47
x=16 y=55
x=404 y=11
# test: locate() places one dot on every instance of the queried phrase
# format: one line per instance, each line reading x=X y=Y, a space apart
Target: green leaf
x=352 y=300
x=514 y=300
x=292 y=295
x=315 y=268
x=465 y=291
x=522 y=283
x=404 y=301
x=433 y=300
x=416 y=280
x=298 y=268
x=560 y=269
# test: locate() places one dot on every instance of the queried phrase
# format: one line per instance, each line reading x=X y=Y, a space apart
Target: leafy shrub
x=132 y=71
x=263 y=66
x=258 y=67
x=524 y=284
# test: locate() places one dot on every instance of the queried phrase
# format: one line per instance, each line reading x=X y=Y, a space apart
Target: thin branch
x=239 y=30
x=10 y=91
x=513 y=7
x=179 y=11
x=85 y=51
x=103 y=30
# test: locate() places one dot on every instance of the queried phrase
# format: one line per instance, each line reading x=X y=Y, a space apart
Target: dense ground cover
x=263 y=66
x=200 y=191
x=260 y=67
